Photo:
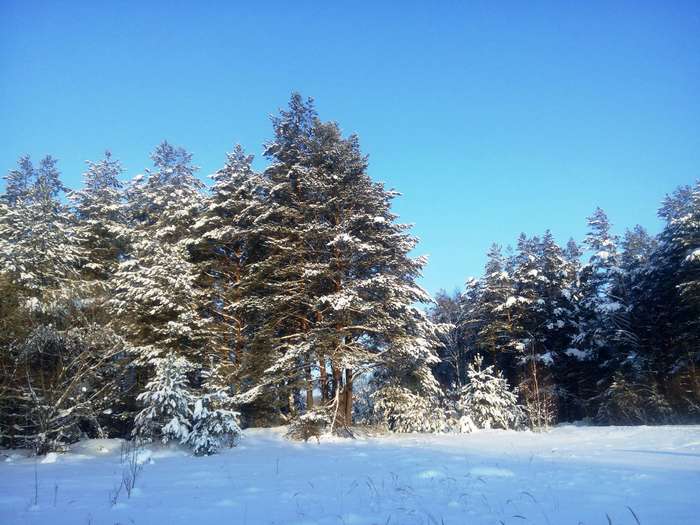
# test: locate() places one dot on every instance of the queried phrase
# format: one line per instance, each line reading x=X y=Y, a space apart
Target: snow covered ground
x=571 y=475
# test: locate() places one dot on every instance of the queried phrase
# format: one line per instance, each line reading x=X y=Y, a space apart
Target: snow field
x=587 y=475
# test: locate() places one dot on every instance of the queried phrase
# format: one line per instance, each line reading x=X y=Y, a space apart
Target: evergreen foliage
x=486 y=401
x=213 y=426
x=402 y=410
x=166 y=401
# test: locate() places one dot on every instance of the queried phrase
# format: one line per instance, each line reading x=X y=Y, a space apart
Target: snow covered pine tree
x=340 y=286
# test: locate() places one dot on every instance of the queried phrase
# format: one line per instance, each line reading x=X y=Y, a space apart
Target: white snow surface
x=569 y=475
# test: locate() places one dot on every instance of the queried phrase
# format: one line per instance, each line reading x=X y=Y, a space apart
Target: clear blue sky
x=491 y=118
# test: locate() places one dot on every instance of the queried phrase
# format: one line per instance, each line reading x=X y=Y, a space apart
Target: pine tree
x=523 y=313
x=291 y=234
x=559 y=291
x=341 y=285
x=63 y=364
x=637 y=248
x=470 y=322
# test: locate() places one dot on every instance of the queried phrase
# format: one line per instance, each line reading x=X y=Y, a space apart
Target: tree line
x=614 y=339
x=163 y=309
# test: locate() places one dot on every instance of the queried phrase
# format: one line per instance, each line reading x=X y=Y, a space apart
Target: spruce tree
x=446 y=313
x=38 y=248
x=490 y=314
x=213 y=427
x=599 y=285
x=487 y=401
x=155 y=290
x=228 y=245
x=603 y=309
x=669 y=302
x=19 y=181
x=99 y=210
x=166 y=413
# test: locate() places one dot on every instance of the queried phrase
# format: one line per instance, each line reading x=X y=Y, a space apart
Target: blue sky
x=491 y=118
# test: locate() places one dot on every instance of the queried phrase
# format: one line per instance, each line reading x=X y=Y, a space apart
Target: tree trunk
x=338 y=391
x=348 y=396
x=337 y=379
x=309 y=389
x=290 y=402
x=325 y=394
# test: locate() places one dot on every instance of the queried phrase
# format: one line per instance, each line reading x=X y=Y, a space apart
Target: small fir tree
x=166 y=414
x=486 y=401
x=213 y=426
